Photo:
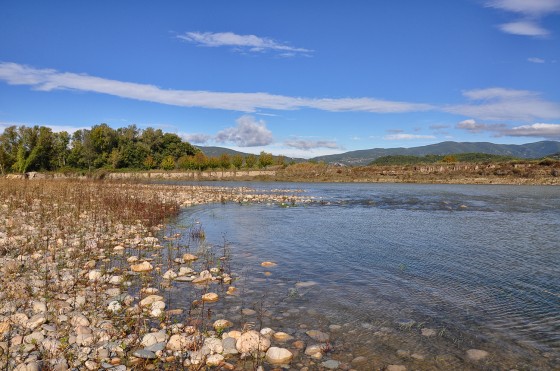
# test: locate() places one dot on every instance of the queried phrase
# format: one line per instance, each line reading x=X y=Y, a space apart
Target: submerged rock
x=251 y=342
x=278 y=356
x=142 y=267
x=476 y=354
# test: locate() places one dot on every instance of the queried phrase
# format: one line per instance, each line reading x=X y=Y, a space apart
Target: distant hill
x=364 y=157
x=217 y=151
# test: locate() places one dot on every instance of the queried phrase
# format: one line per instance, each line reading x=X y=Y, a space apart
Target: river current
x=398 y=273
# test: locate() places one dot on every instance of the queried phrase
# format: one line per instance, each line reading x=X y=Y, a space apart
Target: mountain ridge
x=365 y=156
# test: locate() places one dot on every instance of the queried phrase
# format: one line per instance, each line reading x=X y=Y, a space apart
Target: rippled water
x=478 y=264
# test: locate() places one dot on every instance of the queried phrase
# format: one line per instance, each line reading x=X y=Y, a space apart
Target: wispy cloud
x=248 y=132
x=476 y=127
x=246 y=43
x=307 y=145
x=499 y=104
x=49 y=80
x=531 y=12
x=404 y=136
x=539 y=130
x=524 y=28
x=536 y=60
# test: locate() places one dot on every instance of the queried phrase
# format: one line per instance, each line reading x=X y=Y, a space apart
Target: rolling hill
x=364 y=157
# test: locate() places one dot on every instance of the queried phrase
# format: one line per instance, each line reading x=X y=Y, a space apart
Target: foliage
x=430 y=159
x=265 y=159
x=250 y=161
x=38 y=148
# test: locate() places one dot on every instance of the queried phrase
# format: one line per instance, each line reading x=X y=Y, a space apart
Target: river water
x=378 y=266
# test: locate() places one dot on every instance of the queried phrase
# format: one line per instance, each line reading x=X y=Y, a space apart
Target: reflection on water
x=479 y=265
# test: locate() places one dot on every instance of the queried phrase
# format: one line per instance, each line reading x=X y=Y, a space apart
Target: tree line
x=38 y=148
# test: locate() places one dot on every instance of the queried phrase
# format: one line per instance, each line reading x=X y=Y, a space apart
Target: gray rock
x=229 y=346
x=144 y=354
x=156 y=347
x=331 y=364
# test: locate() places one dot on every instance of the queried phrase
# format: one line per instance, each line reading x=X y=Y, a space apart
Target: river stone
x=278 y=356
x=189 y=257
x=34 y=338
x=476 y=354
x=214 y=344
x=405 y=322
x=306 y=284
x=268 y=264
x=114 y=306
x=222 y=324
x=214 y=360
x=359 y=361
x=142 y=267
x=179 y=342
x=252 y=341
x=39 y=307
x=94 y=275
x=314 y=349
x=331 y=364
x=210 y=297
x=150 y=299
x=36 y=321
x=169 y=275
x=204 y=276
x=183 y=271
x=79 y=320
x=153 y=338
x=157 y=347
x=144 y=354
x=228 y=344
x=185 y=278
x=248 y=312
x=318 y=335
x=282 y=337
x=396 y=368
x=267 y=331
x=428 y=332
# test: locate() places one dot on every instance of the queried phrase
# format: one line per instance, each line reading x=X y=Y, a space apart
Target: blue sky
x=299 y=78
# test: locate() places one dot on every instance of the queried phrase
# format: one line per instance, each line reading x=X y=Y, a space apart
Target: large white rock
x=252 y=341
x=153 y=338
x=278 y=356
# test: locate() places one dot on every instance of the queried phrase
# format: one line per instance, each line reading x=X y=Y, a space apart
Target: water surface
x=478 y=264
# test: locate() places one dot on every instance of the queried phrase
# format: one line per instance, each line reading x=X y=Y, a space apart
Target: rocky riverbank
x=83 y=285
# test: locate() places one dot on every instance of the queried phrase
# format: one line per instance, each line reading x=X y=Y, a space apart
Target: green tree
x=250 y=161
x=168 y=163
x=225 y=161
x=237 y=161
x=200 y=161
x=265 y=159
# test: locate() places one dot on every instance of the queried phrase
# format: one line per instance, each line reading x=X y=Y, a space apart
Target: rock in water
x=142 y=267
x=252 y=341
x=278 y=356
x=476 y=354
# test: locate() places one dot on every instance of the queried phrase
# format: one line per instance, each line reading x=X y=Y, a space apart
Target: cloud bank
x=404 y=136
x=49 y=80
x=539 y=130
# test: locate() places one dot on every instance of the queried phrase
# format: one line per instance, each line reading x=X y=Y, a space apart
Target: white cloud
x=477 y=127
x=527 y=7
x=249 y=43
x=248 y=133
x=536 y=60
x=499 y=104
x=307 y=145
x=197 y=138
x=49 y=80
x=541 y=130
x=531 y=11
x=524 y=28
x=404 y=136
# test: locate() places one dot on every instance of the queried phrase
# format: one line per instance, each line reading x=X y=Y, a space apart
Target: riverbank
x=87 y=275
x=521 y=173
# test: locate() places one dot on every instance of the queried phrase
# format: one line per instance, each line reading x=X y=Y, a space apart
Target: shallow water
x=478 y=264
